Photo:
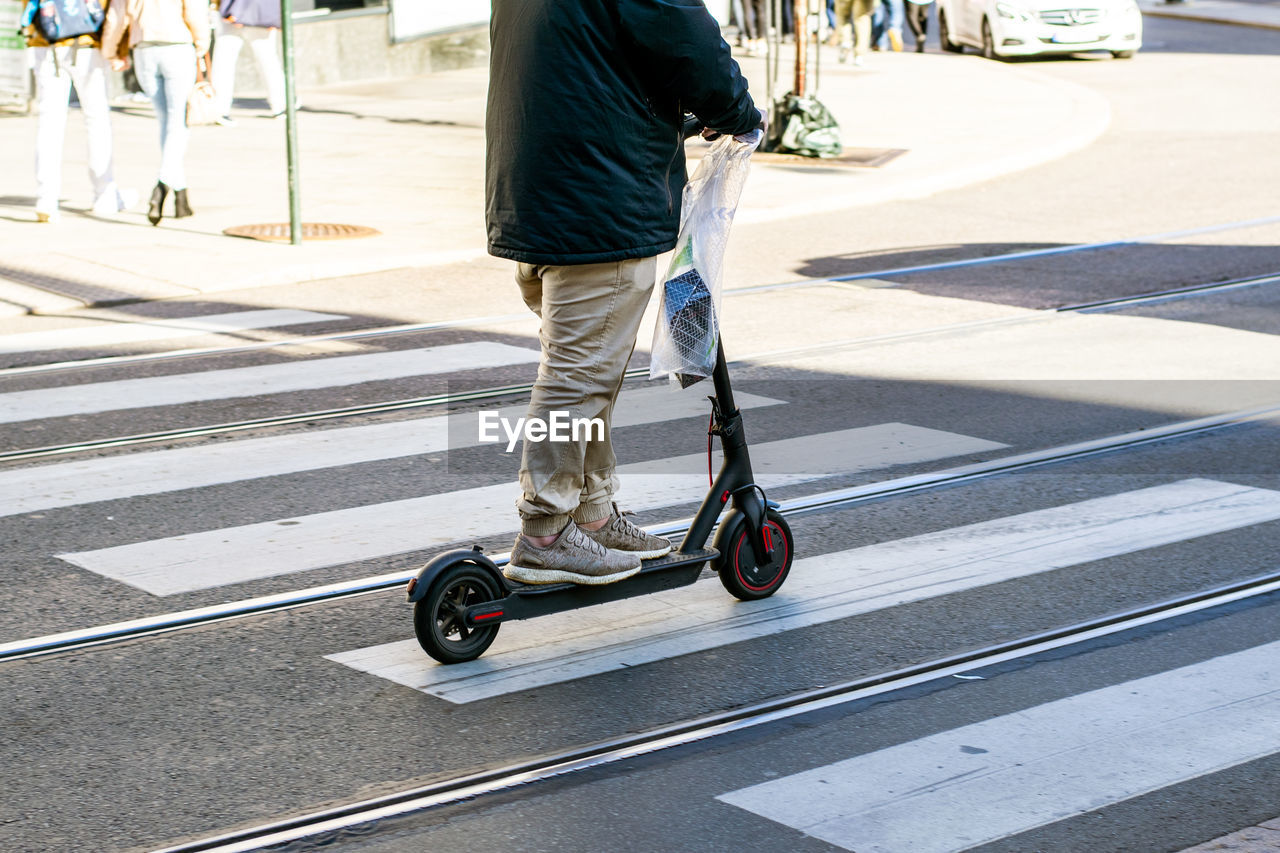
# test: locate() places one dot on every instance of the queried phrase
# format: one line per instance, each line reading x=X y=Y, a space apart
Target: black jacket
x=585 y=157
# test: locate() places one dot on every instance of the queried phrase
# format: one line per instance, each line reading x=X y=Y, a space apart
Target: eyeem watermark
x=559 y=426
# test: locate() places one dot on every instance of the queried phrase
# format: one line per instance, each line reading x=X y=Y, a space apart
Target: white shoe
x=113 y=201
x=225 y=121
x=47 y=216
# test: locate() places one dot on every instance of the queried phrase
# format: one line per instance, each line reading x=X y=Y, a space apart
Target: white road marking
x=991 y=780
x=219 y=557
x=158 y=329
x=86 y=481
x=253 y=381
x=823 y=589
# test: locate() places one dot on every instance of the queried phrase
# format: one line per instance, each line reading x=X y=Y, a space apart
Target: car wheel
x=944 y=35
x=1122 y=54
x=988 y=42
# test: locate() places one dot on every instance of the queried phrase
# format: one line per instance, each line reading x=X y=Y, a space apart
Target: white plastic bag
x=688 y=329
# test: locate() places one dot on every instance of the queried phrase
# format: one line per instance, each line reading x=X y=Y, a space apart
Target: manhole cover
x=279 y=231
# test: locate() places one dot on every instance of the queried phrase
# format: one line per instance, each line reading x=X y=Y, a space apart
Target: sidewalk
x=1252 y=13
x=406 y=157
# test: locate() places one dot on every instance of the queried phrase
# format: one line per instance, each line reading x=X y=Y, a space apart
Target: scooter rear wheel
x=739 y=572
x=439 y=617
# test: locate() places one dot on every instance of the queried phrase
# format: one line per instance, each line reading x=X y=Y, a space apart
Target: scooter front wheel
x=439 y=618
x=739 y=571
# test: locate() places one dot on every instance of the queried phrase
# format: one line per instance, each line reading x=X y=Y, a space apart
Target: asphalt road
x=134 y=745
x=677 y=801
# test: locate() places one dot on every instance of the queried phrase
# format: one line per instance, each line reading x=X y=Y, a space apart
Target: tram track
x=497 y=392
x=331 y=825
x=89 y=638
x=469 y=322
x=255 y=732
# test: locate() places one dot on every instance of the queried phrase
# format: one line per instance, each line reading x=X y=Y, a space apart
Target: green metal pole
x=291 y=123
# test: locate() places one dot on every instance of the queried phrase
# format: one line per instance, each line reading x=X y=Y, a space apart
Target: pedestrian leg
x=89 y=74
x=893 y=23
x=862 y=11
x=177 y=64
x=844 y=27
x=148 y=73
x=226 y=53
x=53 y=91
x=266 y=52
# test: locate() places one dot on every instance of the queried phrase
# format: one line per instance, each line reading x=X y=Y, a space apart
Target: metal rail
x=634 y=373
x=1170 y=294
x=166 y=623
x=332 y=822
x=258 y=423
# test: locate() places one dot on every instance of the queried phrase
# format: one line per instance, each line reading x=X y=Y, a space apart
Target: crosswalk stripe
x=991 y=780
x=86 y=481
x=253 y=381
x=158 y=329
x=215 y=558
x=826 y=588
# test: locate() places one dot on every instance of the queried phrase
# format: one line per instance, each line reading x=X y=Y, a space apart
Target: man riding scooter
x=584 y=171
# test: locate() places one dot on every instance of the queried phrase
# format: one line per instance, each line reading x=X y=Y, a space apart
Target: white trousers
x=265 y=43
x=57 y=69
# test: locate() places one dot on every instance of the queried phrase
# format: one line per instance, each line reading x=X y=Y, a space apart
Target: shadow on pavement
x=1053 y=281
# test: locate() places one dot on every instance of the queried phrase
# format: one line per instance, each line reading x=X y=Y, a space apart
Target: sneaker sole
x=524 y=574
x=651 y=555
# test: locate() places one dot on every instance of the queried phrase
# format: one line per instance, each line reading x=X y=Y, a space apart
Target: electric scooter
x=461 y=597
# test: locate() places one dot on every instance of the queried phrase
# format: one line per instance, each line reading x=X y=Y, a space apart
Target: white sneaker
x=47 y=216
x=113 y=201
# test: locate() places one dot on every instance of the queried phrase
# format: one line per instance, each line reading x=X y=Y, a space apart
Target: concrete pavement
x=406 y=157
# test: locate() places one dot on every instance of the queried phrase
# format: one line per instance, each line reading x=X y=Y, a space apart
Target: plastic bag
x=687 y=332
x=806 y=127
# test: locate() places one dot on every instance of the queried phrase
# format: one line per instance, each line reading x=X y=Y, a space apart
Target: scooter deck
x=525 y=601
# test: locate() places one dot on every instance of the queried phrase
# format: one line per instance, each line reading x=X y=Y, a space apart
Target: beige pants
x=590 y=315
x=860 y=11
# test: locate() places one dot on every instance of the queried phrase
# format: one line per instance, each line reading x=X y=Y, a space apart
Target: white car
x=1003 y=28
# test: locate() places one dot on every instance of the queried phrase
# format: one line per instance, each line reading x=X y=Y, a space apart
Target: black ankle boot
x=156 y=212
x=181 y=207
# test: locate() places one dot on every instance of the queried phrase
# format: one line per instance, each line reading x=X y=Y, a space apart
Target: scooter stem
x=735 y=479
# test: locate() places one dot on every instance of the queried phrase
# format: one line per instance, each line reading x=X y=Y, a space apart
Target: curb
x=17 y=300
